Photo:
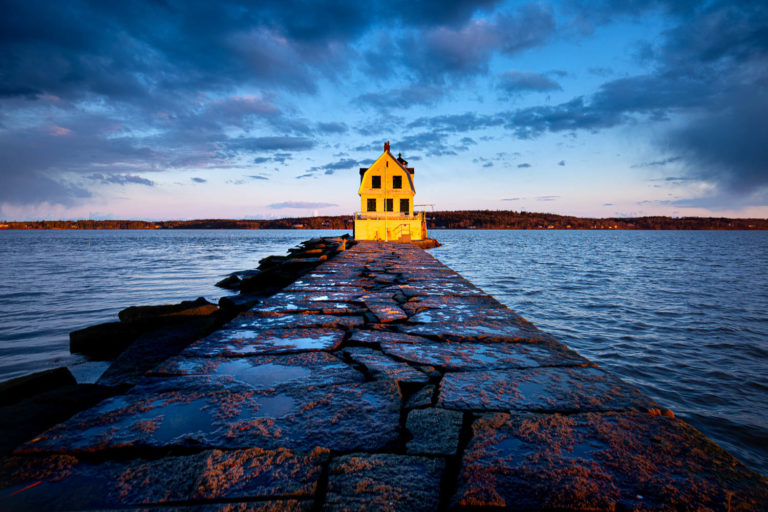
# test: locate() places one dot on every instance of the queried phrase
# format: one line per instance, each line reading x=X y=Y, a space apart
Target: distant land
x=466 y=219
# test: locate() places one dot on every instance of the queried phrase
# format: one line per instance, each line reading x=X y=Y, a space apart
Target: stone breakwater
x=380 y=380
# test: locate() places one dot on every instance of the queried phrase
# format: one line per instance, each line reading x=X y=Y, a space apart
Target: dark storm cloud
x=711 y=70
x=513 y=82
x=164 y=73
x=462 y=51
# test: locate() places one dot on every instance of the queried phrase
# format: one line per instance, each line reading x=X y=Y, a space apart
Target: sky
x=233 y=109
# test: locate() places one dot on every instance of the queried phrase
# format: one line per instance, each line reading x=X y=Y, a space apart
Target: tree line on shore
x=466 y=219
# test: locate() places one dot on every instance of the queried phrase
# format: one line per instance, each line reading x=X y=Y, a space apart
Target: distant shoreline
x=468 y=219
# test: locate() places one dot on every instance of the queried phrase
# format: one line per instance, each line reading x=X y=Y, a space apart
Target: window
x=375 y=181
x=397 y=182
x=390 y=205
x=404 y=206
x=372 y=205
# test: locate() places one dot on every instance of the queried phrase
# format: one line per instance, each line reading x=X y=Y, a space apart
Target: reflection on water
x=261 y=375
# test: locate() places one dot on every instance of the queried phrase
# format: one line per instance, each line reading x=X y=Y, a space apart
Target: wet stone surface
x=225 y=413
x=601 y=462
x=361 y=481
x=381 y=367
x=255 y=320
x=244 y=342
x=477 y=356
x=379 y=380
x=69 y=483
x=540 y=389
x=265 y=372
x=435 y=431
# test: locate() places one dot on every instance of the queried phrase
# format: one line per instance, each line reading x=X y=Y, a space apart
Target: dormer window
x=375 y=181
x=397 y=182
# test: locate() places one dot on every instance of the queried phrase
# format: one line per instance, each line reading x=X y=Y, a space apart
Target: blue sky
x=171 y=110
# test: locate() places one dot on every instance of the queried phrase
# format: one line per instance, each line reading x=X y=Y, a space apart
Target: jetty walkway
x=381 y=380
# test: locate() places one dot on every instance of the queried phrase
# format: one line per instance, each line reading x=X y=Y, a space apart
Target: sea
x=682 y=315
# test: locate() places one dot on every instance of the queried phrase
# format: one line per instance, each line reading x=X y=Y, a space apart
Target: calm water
x=681 y=315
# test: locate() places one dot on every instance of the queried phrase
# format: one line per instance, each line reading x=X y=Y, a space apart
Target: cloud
x=271 y=143
x=300 y=205
x=330 y=168
x=332 y=128
x=561 y=163
x=512 y=199
x=547 y=198
x=121 y=179
x=513 y=82
x=257 y=177
x=199 y=180
x=523 y=165
x=463 y=51
x=657 y=163
x=402 y=97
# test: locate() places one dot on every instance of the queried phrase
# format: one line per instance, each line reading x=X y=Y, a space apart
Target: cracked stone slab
x=264 y=372
x=326 y=285
x=63 y=482
x=624 y=461
x=435 y=431
x=255 y=320
x=382 y=367
x=288 y=307
x=244 y=342
x=386 y=312
x=362 y=481
x=419 y=304
x=475 y=330
x=484 y=356
x=578 y=389
x=374 y=337
x=422 y=397
x=217 y=413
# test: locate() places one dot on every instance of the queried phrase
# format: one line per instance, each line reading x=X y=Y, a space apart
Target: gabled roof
x=407 y=171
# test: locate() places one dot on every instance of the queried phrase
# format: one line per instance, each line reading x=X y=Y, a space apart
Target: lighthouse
x=386 y=201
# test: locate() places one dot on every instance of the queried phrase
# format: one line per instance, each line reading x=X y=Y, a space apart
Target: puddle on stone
x=182 y=418
x=273 y=406
x=239 y=334
x=304 y=343
x=261 y=375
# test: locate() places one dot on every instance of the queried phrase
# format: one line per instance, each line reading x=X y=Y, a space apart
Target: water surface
x=679 y=314
x=682 y=315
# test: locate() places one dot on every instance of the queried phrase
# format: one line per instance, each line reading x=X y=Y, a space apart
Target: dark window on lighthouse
x=404 y=206
x=372 y=205
x=375 y=181
x=390 y=204
x=397 y=182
